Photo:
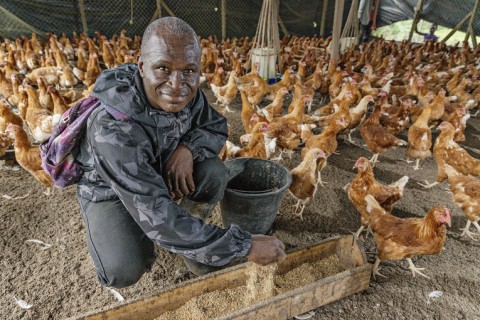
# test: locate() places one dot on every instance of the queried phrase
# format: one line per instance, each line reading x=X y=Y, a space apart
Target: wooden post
x=418 y=8
x=224 y=20
x=470 y=31
x=324 y=18
x=457 y=27
x=337 y=29
x=282 y=26
x=83 y=17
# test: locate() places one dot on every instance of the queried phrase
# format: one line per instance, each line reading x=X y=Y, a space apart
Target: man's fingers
x=190 y=183
x=175 y=186
x=182 y=185
x=168 y=181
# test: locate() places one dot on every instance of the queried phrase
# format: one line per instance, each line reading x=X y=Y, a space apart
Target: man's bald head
x=169 y=27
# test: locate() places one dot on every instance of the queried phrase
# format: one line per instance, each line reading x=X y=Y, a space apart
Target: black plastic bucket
x=254 y=193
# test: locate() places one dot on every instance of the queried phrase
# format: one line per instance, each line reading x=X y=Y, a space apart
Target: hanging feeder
x=266 y=44
x=350 y=34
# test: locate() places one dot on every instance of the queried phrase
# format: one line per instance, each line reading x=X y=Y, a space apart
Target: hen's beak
x=321 y=155
x=448 y=220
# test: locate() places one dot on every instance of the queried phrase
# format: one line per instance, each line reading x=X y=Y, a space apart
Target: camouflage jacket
x=123 y=158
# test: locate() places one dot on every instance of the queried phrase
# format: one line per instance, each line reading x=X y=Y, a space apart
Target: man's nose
x=177 y=79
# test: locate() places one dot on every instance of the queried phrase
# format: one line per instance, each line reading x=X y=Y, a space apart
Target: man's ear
x=140 y=65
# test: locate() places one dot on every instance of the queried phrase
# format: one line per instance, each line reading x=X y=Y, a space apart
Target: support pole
x=337 y=29
x=324 y=18
x=169 y=11
x=282 y=26
x=82 y=16
x=159 y=8
x=470 y=31
x=418 y=8
x=224 y=20
x=158 y=12
x=20 y=21
x=457 y=27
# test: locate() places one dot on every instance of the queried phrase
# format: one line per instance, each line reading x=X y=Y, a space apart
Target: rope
x=131 y=13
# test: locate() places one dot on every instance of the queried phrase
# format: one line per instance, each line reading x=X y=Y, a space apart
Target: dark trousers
x=120 y=250
x=365 y=30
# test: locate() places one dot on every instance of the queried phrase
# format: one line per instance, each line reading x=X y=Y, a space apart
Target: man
x=428 y=36
x=364 y=9
x=167 y=149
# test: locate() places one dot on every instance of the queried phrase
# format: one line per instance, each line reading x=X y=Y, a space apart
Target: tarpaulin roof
x=447 y=13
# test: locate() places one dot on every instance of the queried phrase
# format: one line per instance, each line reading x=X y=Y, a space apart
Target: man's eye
x=189 y=71
x=162 y=68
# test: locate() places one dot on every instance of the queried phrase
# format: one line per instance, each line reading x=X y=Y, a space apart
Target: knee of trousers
x=211 y=178
x=121 y=275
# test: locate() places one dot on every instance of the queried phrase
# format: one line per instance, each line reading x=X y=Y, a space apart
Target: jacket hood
x=121 y=88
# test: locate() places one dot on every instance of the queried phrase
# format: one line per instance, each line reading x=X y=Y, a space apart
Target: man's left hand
x=178 y=173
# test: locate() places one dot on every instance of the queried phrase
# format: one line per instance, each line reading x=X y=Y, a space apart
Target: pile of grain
x=209 y=306
x=308 y=273
x=262 y=283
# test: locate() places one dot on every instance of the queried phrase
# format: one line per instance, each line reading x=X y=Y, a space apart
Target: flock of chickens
x=380 y=88
x=40 y=80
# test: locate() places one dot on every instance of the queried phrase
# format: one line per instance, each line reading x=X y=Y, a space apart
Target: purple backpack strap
x=55 y=152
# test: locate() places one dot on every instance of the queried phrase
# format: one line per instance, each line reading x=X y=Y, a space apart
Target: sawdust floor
x=60 y=281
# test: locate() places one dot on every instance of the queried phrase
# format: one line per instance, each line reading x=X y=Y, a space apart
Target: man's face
x=170 y=72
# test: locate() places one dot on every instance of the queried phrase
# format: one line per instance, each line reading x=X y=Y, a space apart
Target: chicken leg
x=368 y=230
x=466 y=230
x=279 y=157
x=374 y=159
x=417 y=165
x=415 y=269
x=375 y=271
x=319 y=179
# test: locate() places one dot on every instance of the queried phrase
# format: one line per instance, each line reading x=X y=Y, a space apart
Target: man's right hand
x=266 y=250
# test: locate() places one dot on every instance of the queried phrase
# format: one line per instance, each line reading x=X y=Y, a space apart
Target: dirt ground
x=60 y=282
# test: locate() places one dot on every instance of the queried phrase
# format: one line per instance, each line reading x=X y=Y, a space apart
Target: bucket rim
x=262 y=194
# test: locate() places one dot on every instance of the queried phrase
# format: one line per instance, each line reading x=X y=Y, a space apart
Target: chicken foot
x=428 y=185
x=48 y=192
x=301 y=204
x=319 y=179
x=227 y=109
x=415 y=269
x=375 y=271
x=466 y=230
x=368 y=231
x=279 y=157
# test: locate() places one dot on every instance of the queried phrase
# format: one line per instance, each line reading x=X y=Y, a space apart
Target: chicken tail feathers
x=401 y=182
x=401 y=142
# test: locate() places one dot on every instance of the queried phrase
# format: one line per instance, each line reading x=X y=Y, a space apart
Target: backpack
x=59 y=150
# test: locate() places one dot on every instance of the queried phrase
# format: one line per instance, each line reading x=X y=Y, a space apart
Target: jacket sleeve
x=124 y=159
x=208 y=131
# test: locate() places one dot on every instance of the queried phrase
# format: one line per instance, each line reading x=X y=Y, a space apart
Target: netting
x=109 y=17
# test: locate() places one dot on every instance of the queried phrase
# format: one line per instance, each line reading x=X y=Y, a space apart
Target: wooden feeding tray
x=354 y=278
